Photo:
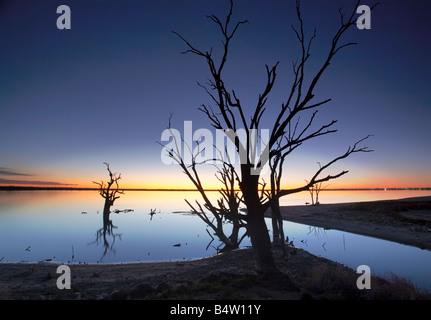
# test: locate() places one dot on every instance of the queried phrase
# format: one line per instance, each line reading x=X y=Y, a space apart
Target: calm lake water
x=64 y=226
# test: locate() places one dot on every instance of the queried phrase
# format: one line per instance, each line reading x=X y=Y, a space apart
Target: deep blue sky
x=104 y=90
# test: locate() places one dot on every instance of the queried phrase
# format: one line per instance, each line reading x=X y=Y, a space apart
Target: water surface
x=65 y=227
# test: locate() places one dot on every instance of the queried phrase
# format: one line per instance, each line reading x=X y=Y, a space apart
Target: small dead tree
x=315 y=191
x=110 y=191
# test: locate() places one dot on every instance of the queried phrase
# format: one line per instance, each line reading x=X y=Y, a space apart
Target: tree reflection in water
x=110 y=192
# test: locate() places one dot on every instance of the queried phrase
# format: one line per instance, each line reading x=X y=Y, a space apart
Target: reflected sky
x=61 y=226
x=54 y=222
x=354 y=250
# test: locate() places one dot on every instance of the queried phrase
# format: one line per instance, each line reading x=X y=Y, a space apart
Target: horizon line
x=11 y=188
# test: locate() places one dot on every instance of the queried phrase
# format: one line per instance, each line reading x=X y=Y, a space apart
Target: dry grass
x=393 y=287
x=330 y=282
x=327 y=282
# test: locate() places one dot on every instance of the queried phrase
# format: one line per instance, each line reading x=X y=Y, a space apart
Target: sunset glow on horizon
x=179 y=181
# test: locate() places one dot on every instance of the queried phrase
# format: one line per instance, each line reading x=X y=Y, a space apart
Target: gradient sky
x=103 y=90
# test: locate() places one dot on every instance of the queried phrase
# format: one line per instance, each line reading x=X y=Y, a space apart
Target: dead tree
x=230 y=202
x=276 y=167
x=312 y=185
x=227 y=207
x=110 y=191
x=315 y=191
x=230 y=115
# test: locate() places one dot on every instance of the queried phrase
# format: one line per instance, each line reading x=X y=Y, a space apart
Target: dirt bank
x=406 y=221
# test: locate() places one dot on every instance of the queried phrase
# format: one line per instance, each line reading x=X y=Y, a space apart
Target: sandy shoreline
x=406 y=221
x=231 y=275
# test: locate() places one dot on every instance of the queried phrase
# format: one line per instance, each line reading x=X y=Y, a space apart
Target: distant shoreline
x=18 y=188
x=24 y=188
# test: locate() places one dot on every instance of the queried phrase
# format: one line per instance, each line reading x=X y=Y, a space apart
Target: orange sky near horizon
x=173 y=178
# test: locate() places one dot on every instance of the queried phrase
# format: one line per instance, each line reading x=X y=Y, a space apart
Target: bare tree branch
x=315 y=179
x=107 y=191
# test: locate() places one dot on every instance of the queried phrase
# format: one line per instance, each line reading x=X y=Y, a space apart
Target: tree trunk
x=260 y=241
x=277 y=224
x=106 y=209
x=275 y=212
x=229 y=245
x=107 y=223
x=235 y=233
x=256 y=226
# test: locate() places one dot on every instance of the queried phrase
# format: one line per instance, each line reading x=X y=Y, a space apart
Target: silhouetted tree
x=315 y=191
x=285 y=134
x=227 y=207
x=110 y=191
